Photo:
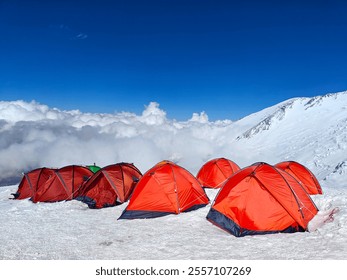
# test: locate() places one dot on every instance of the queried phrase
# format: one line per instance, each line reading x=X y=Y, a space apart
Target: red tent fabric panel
x=155 y=192
x=288 y=192
x=50 y=191
x=167 y=188
x=306 y=206
x=74 y=176
x=101 y=191
x=115 y=181
x=63 y=184
x=215 y=172
x=303 y=175
x=31 y=182
x=131 y=176
x=190 y=191
x=27 y=185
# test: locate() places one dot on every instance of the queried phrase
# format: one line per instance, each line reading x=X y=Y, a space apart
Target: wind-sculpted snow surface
x=70 y=230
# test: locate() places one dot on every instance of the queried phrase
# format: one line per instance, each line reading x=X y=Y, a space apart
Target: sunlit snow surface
x=312 y=131
x=70 y=230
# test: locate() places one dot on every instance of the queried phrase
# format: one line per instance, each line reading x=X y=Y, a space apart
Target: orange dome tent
x=110 y=186
x=303 y=175
x=262 y=199
x=216 y=171
x=63 y=184
x=30 y=182
x=165 y=189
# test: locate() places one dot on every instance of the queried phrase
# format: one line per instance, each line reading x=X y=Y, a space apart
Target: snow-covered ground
x=70 y=230
x=312 y=131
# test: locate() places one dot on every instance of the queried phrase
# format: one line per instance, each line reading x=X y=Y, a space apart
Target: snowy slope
x=312 y=131
x=70 y=230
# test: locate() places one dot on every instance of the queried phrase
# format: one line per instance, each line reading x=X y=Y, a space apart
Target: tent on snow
x=262 y=199
x=63 y=184
x=216 y=171
x=30 y=181
x=165 y=189
x=111 y=185
x=302 y=174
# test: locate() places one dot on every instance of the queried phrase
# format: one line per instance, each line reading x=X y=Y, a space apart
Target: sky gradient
x=227 y=58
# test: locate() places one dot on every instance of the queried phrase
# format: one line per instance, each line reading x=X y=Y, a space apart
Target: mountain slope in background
x=312 y=131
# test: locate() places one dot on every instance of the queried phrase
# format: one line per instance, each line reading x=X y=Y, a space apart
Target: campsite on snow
x=274 y=183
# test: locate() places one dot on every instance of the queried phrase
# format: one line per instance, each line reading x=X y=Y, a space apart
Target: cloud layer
x=34 y=135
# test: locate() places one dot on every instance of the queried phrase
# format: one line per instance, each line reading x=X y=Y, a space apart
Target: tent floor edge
x=195 y=207
x=228 y=225
x=87 y=200
x=141 y=214
x=223 y=222
x=15 y=196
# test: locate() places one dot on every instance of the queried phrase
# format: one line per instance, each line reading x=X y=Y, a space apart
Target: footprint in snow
x=106 y=243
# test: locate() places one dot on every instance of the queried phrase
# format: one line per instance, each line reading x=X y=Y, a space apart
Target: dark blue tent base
x=92 y=203
x=140 y=214
x=230 y=226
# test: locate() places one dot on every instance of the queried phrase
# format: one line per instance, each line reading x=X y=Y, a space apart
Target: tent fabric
x=63 y=184
x=303 y=175
x=110 y=186
x=31 y=180
x=94 y=168
x=165 y=189
x=216 y=171
x=262 y=199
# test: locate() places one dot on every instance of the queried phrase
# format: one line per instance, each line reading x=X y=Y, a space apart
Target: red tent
x=63 y=184
x=110 y=186
x=262 y=199
x=165 y=189
x=28 y=185
x=302 y=174
x=216 y=171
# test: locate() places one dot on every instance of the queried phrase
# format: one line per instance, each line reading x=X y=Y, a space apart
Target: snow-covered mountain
x=309 y=130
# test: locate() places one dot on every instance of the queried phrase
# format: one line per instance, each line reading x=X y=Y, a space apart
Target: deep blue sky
x=227 y=58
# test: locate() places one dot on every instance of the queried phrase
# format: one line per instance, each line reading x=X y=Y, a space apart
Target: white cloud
x=34 y=135
x=81 y=36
